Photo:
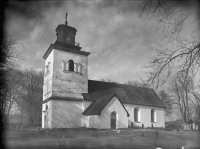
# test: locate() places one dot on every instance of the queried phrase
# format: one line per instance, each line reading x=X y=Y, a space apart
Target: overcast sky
x=120 y=42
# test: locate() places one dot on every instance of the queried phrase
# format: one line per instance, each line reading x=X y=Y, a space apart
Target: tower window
x=71 y=65
x=47 y=68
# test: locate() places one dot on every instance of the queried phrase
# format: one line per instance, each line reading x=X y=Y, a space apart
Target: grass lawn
x=85 y=138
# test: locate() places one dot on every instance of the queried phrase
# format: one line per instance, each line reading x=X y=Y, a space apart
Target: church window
x=46 y=107
x=71 y=65
x=137 y=115
x=153 y=115
x=47 y=68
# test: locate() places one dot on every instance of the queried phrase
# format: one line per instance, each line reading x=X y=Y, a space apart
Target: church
x=71 y=100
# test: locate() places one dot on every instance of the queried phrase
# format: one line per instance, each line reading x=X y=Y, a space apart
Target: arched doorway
x=113 y=120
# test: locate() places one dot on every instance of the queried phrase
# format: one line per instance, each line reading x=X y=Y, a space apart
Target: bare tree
x=196 y=99
x=31 y=94
x=11 y=92
x=183 y=51
x=167 y=100
x=180 y=89
x=9 y=55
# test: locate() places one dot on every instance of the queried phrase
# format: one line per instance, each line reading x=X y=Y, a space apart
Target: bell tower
x=66 y=66
x=65 y=79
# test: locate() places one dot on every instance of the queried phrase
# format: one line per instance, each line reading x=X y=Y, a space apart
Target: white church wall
x=66 y=114
x=93 y=121
x=48 y=114
x=47 y=87
x=86 y=119
x=145 y=116
x=66 y=83
x=105 y=117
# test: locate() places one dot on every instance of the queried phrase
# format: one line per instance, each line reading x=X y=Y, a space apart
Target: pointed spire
x=66 y=19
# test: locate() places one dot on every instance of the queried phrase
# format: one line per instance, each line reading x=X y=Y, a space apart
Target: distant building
x=189 y=125
x=71 y=100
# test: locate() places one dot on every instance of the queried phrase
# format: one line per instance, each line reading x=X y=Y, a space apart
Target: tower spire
x=66 y=19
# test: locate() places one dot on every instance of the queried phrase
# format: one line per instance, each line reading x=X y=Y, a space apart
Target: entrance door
x=113 y=120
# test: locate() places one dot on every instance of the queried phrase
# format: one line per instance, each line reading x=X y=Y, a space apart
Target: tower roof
x=57 y=47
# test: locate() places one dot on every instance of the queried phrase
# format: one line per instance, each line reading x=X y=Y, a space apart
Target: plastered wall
x=105 y=119
x=145 y=116
x=66 y=114
x=47 y=87
x=69 y=84
x=48 y=114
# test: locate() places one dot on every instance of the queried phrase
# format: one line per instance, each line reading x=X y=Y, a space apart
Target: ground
x=89 y=138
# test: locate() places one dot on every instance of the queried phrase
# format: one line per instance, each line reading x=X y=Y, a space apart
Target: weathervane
x=66 y=19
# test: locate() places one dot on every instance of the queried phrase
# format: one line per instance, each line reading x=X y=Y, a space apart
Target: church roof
x=98 y=105
x=61 y=47
x=127 y=94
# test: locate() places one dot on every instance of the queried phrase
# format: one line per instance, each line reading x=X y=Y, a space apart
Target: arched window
x=46 y=69
x=71 y=65
x=136 y=115
x=49 y=66
x=152 y=115
x=46 y=107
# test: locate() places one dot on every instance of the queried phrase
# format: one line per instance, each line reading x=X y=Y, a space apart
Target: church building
x=71 y=100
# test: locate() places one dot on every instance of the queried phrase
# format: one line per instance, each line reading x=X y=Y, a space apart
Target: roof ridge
x=120 y=84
